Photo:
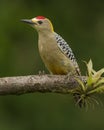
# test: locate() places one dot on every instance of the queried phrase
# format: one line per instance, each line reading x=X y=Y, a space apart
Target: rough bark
x=37 y=83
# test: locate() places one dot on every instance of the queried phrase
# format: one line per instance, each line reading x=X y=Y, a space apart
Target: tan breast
x=53 y=58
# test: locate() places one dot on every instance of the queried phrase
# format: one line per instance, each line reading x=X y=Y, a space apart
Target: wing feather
x=65 y=48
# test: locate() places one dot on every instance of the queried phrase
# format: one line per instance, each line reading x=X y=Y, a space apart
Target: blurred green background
x=79 y=22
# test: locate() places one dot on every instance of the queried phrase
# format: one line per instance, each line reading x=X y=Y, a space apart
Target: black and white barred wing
x=62 y=44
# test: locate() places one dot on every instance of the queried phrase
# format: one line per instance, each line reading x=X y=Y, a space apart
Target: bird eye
x=40 y=22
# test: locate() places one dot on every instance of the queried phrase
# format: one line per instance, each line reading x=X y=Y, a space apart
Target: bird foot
x=41 y=72
x=69 y=75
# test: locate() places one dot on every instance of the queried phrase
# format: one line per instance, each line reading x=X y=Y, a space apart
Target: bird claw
x=69 y=75
x=41 y=72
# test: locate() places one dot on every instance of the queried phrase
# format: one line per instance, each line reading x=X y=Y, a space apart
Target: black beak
x=29 y=21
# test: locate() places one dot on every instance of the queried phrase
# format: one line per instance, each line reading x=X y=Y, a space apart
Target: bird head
x=40 y=23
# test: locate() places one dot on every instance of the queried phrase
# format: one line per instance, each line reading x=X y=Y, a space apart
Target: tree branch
x=37 y=83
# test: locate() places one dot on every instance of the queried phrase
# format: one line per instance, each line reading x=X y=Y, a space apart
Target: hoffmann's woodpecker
x=54 y=50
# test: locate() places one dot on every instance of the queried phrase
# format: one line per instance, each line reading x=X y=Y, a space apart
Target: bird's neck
x=45 y=34
x=46 y=39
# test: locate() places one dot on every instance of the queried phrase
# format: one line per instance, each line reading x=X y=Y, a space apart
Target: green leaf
x=93 y=71
x=101 y=81
x=81 y=83
x=99 y=73
x=89 y=80
x=89 y=67
x=94 y=84
x=98 y=89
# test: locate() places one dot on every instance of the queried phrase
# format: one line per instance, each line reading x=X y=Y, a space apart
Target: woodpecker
x=54 y=50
